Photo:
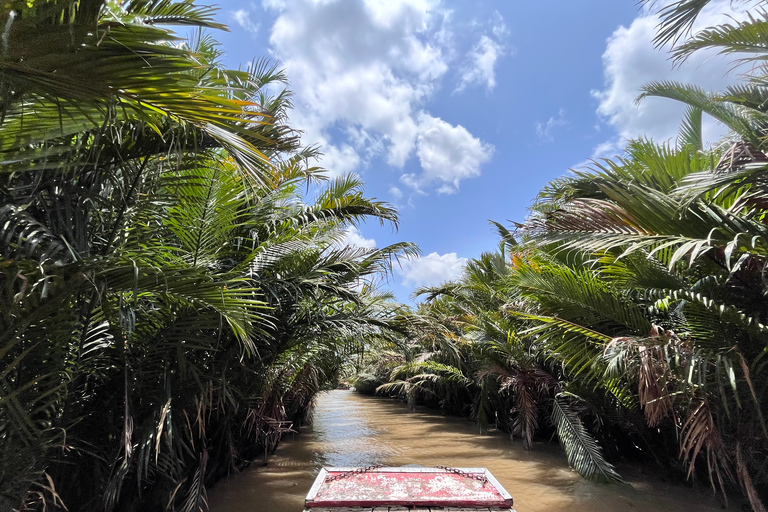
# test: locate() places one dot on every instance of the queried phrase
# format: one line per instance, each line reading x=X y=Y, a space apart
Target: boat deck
x=409 y=509
x=407 y=489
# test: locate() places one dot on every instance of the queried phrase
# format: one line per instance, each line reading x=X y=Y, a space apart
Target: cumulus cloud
x=352 y=236
x=361 y=73
x=431 y=270
x=448 y=154
x=631 y=61
x=339 y=160
x=243 y=18
x=544 y=130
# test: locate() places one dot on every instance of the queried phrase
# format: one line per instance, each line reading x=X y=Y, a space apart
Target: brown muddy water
x=353 y=430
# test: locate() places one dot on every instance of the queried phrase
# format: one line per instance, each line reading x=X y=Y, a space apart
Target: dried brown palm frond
x=699 y=433
x=586 y=214
x=647 y=360
x=740 y=154
x=653 y=374
x=651 y=385
x=742 y=471
x=196 y=499
x=530 y=388
x=526 y=420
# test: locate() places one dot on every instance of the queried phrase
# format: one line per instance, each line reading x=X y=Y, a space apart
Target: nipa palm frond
x=584 y=454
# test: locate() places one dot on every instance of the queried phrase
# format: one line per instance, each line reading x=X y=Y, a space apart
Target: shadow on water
x=352 y=430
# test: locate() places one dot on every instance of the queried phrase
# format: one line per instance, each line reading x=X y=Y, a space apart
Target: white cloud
x=499 y=28
x=631 y=61
x=609 y=149
x=361 y=73
x=480 y=65
x=273 y=5
x=448 y=154
x=431 y=270
x=396 y=192
x=352 y=236
x=339 y=160
x=482 y=62
x=243 y=18
x=544 y=130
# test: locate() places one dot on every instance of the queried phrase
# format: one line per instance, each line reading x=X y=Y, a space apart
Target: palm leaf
x=584 y=454
x=690 y=131
x=677 y=18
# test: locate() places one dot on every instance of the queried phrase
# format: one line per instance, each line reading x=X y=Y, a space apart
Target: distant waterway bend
x=354 y=430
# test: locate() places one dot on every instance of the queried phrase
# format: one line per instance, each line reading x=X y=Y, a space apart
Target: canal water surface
x=353 y=430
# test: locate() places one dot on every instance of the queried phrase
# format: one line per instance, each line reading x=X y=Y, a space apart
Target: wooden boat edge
x=311 y=505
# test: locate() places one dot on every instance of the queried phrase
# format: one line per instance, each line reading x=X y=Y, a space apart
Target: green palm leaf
x=584 y=454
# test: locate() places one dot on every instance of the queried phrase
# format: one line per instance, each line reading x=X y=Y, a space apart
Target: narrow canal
x=352 y=430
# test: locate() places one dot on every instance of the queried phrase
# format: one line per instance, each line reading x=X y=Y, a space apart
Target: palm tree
x=114 y=69
x=468 y=352
x=680 y=247
x=170 y=302
x=246 y=315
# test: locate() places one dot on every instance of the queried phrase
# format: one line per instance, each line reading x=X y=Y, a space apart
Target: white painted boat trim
x=320 y=479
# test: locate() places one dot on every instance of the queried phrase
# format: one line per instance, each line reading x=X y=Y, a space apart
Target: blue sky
x=458 y=112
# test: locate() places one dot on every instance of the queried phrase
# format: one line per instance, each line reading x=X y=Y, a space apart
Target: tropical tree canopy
x=627 y=315
x=175 y=290
x=173 y=287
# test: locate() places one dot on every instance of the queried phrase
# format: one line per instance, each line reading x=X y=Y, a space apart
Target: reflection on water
x=347 y=433
x=351 y=430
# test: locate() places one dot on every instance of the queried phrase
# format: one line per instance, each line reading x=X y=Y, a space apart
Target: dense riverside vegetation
x=628 y=313
x=170 y=300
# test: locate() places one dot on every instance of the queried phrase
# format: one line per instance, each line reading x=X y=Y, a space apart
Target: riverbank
x=353 y=430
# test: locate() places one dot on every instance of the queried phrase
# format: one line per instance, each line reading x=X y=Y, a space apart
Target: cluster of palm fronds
x=170 y=301
x=628 y=314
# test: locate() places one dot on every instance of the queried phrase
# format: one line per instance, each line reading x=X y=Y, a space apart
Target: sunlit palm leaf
x=584 y=455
